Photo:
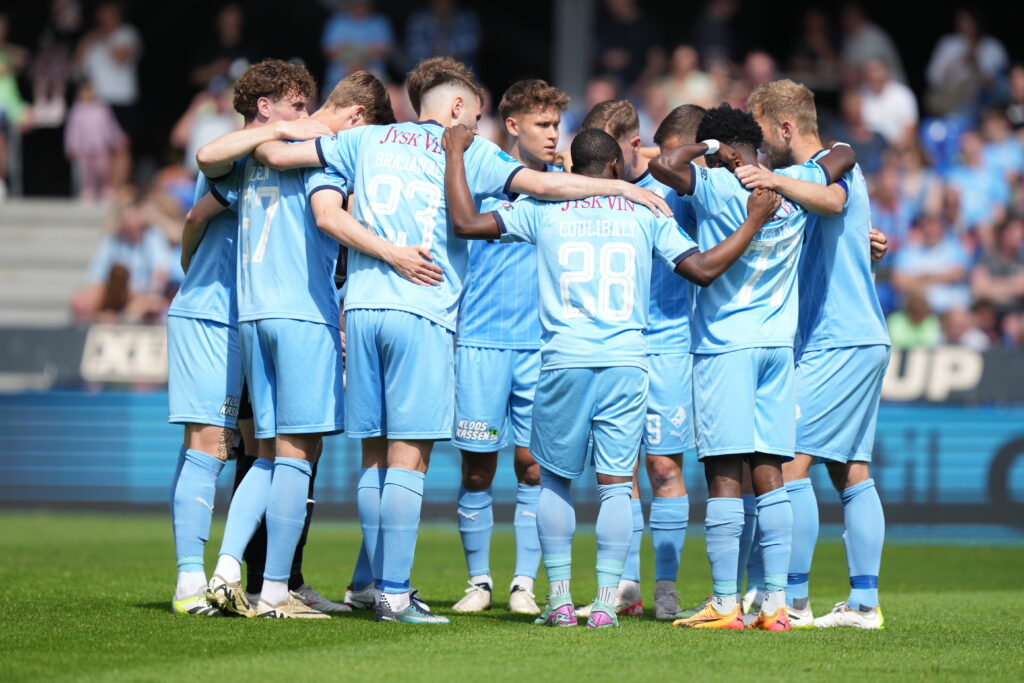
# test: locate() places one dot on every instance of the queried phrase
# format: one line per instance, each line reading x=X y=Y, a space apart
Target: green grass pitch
x=86 y=598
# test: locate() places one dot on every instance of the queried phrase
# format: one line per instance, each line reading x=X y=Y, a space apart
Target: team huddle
x=406 y=283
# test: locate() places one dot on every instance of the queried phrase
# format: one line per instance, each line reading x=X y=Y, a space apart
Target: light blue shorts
x=294 y=372
x=745 y=402
x=400 y=374
x=493 y=390
x=669 y=404
x=574 y=404
x=204 y=372
x=837 y=394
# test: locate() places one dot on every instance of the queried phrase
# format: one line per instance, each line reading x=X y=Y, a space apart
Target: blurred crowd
x=945 y=164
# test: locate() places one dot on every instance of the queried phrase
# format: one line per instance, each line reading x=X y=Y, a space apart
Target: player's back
x=838 y=303
x=397 y=173
x=208 y=290
x=754 y=303
x=285 y=263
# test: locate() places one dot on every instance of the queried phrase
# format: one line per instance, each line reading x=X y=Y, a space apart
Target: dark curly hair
x=733 y=127
x=274 y=79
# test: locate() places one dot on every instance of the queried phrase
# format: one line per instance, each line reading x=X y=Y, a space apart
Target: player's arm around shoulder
x=467 y=222
x=545 y=185
x=810 y=190
x=215 y=158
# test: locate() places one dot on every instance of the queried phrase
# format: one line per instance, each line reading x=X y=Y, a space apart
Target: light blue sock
x=174 y=481
x=525 y=525
x=864 y=536
x=286 y=515
x=775 y=529
x=400 y=504
x=723 y=524
x=747 y=538
x=631 y=572
x=193 y=508
x=755 y=565
x=614 y=532
x=368 y=490
x=248 y=506
x=669 y=517
x=805 y=536
x=476 y=522
x=362 y=574
x=556 y=525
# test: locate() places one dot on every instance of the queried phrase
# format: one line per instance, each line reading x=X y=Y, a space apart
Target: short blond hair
x=363 y=89
x=785 y=100
x=618 y=118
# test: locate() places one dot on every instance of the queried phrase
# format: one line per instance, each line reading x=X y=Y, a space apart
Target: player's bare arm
x=673 y=166
x=215 y=158
x=704 y=267
x=569 y=186
x=412 y=262
x=467 y=222
x=195 y=226
x=281 y=156
x=820 y=199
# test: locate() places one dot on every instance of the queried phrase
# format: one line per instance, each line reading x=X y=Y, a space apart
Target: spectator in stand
x=629 y=44
x=920 y=187
x=356 y=38
x=443 y=29
x=1012 y=332
x=93 y=141
x=864 y=41
x=598 y=89
x=959 y=329
x=1002 y=151
x=1015 y=102
x=758 y=69
x=851 y=128
x=982 y=192
x=14 y=112
x=934 y=264
x=916 y=326
x=128 y=274
x=890 y=211
x=713 y=33
x=210 y=115
x=816 y=60
x=685 y=83
x=108 y=57
x=225 y=54
x=996 y=328
x=999 y=275
x=967 y=68
x=53 y=64
x=888 y=106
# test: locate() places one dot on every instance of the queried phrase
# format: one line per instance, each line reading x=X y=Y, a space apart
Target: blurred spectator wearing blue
x=226 y=53
x=934 y=264
x=443 y=29
x=920 y=186
x=863 y=41
x=850 y=128
x=355 y=38
x=629 y=44
x=891 y=212
x=1003 y=151
x=967 y=68
x=981 y=190
x=128 y=274
x=108 y=56
x=888 y=106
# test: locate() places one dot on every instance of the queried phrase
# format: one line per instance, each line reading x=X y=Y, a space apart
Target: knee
x=663 y=473
x=529 y=476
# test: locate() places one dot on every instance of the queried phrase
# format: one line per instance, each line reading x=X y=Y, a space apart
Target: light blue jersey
x=754 y=302
x=398 y=173
x=594 y=273
x=669 y=324
x=838 y=303
x=285 y=263
x=499 y=304
x=208 y=290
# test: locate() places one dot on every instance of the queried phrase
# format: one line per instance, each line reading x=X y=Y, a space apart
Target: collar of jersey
x=423 y=123
x=640 y=177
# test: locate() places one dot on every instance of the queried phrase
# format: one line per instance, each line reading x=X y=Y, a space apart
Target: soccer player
x=497 y=362
x=400 y=352
x=204 y=357
x=743 y=330
x=841 y=355
x=593 y=282
x=291 y=345
x=669 y=426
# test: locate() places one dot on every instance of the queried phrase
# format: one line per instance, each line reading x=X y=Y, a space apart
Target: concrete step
x=34 y=318
x=52 y=212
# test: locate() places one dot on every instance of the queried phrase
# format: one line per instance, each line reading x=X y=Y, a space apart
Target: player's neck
x=531 y=162
x=638 y=166
x=804 y=147
x=329 y=117
x=442 y=117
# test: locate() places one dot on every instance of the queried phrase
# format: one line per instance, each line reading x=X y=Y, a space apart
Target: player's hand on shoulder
x=641 y=195
x=729 y=157
x=879 y=244
x=762 y=204
x=756 y=177
x=302 y=129
x=457 y=138
x=415 y=264
x=563 y=159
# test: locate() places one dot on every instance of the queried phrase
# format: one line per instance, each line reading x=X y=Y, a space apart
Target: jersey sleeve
x=682 y=211
x=317 y=179
x=706 y=188
x=340 y=151
x=671 y=244
x=517 y=221
x=227 y=188
x=489 y=170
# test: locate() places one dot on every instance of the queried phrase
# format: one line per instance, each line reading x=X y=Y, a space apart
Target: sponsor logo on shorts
x=475 y=430
x=230 y=407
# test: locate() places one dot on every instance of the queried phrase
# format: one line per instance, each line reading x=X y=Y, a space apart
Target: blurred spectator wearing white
x=108 y=57
x=14 y=112
x=685 y=83
x=210 y=115
x=959 y=329
x=934 y=264
x=888 y=106
x=916 y=326
x=999 y=275
x=356 y=38
x=851 y=128
x=863 y=41
x=53 y=64
x=128 y=274
x=93 y=141
x=965 y=67
x=225 y=54
x=443 y=29
x=629 y=44
x=981 y=190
